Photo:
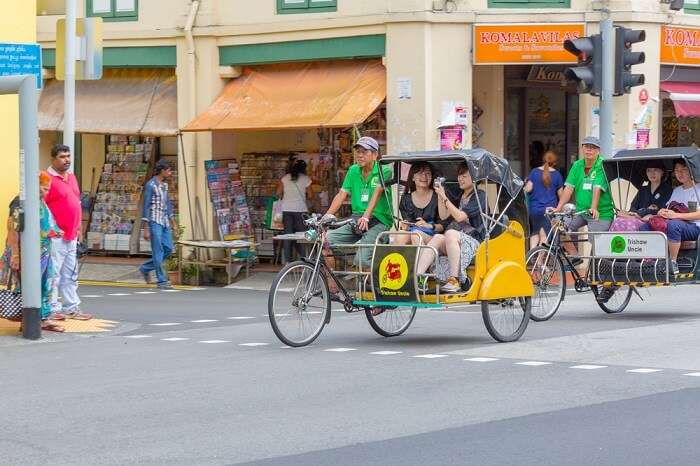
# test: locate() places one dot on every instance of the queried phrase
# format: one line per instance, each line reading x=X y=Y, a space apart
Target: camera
x=439 y=181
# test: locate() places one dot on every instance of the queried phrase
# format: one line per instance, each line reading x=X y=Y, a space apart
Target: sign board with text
x=623 y=245
x=393 y=273
x=680 y=46
x=505 y=44
x=19 y=59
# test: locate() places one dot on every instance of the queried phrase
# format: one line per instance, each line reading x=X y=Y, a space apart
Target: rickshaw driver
x=368 y=201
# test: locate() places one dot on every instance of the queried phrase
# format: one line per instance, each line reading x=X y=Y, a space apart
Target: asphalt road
x=214 y=386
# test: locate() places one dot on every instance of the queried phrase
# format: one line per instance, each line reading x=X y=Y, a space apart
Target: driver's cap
x=368 y=143
x=591 y=140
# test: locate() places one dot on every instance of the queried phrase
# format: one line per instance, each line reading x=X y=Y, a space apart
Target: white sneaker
x=451 y=286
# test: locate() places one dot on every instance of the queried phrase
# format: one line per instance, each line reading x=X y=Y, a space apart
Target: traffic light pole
x=69 y=91
x=607 y=33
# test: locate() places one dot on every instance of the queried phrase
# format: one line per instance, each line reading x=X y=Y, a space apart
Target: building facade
x=500 y=61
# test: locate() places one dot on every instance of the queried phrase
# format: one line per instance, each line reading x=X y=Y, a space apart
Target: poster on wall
x=452 y=138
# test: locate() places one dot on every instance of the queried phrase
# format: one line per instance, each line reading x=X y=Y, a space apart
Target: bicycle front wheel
x=549 y=280
x=618 y=301
x=390 y=321
x=298 y=309
x=506 y=319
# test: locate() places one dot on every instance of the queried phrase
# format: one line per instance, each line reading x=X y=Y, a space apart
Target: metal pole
x=607 y=33
x=69 y=90
x=29 y=200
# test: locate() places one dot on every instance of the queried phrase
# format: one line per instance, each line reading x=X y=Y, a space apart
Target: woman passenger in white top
x=293 y=189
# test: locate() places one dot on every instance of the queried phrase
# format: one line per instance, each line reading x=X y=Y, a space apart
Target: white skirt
x=468 y=247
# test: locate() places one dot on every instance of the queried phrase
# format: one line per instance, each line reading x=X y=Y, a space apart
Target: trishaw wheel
x=298 y=309
x=549 y=280
x=617 y=302
x=390 y=321
x=506 y=319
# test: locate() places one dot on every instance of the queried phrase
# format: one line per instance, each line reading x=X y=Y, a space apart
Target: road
x=197 y=377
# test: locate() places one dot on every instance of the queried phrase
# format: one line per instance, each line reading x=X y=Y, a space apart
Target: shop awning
x=124 y=101
x=297 y=95
x=685 y=97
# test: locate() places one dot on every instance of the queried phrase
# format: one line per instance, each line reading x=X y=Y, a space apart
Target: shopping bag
x=277 y=217
x=11 y=300
x=658 y=223
x=268 y=211
x=626 y=224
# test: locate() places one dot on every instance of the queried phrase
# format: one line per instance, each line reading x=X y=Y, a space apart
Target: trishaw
x=620 y=261
x=389 y=291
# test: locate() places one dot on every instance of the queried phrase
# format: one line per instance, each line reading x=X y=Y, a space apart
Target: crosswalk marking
x=643 y=371
x=214 y=341
x=533 y=363
x=203 y=321
x=145 y=292
x=430 y=356
x=481 y=359
x=174 y=339
x=166 y=324
x=253 y=344
x=587 y=367
x=119 y=294
x=693 y=374
x=386 y=353
x=138 y=336
x=92 y=296
x=340 y=350
x=170 y=291
x=241 y=318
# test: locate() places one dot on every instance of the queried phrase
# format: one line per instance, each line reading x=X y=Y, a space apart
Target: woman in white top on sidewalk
x=293 y=191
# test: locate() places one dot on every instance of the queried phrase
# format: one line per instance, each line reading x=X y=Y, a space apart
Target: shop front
x=125 y=122
x=680 y=86
x=273 y=114
x=540 y=111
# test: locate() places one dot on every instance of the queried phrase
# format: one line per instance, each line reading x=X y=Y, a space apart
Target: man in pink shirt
x=63 y=200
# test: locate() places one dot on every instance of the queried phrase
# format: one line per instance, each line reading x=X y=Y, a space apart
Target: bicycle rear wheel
x=298 y=309
x=506 y=319
x=549 y=280
x=393 y=320
x=617 y=302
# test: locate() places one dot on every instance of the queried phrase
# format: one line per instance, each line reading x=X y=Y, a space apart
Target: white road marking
x=241 y=318
x=386 y=353
x=340 y=350
x=203 y=321
x=533 y=363
x=481 y=359
x=693 y=374
x=643 y=371
x=138 y=336
x=253 y=344
x=430 y=356
x=214 y=341
x=589 y=367
x=196 y=289
x=166 y=324
x=118 y=294
x=174 y=339
x=146 y=292
x=92 y=296
x=170 y=291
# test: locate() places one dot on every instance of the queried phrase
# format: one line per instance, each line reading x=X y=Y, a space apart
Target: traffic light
x=625 y=58
x=588 y=74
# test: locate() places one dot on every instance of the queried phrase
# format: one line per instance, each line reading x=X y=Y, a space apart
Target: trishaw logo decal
x=393 y=272
x=618 y=245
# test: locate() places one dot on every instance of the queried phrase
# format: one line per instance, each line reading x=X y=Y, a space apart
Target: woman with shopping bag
x=11 y=297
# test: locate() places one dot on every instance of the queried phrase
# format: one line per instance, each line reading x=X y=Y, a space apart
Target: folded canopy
x=124 y=101
x=297 y=95
x=685 y=97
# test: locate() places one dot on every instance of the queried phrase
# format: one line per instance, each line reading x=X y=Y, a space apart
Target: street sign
x=88 y=65
x=19 y=59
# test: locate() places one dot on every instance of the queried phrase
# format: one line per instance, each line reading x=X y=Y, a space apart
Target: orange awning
x=124 y=101
x=297 y=95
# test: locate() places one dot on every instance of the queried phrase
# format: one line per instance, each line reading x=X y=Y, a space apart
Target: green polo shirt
x=361 y=191
x=583 y=187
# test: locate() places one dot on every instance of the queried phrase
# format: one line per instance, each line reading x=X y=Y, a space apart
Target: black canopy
x=631 y=165
x=482 y=164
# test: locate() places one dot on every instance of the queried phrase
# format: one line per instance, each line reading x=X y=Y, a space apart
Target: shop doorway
x=540 y=115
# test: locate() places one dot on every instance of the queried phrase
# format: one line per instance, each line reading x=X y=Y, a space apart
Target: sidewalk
x=111 y=269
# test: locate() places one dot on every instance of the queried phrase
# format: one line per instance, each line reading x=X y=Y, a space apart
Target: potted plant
x=172 y=263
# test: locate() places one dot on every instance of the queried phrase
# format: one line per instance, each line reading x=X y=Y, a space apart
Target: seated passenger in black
x=652 y=196
x=419 y=207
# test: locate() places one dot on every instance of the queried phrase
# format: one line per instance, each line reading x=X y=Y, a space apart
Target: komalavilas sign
x=503 y=44
x=680 y=46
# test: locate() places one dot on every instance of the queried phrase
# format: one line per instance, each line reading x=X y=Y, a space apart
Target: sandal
x=78 y=316
x=53 y=328
x=56 y=316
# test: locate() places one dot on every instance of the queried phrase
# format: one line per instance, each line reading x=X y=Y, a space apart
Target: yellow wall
x=18 y=26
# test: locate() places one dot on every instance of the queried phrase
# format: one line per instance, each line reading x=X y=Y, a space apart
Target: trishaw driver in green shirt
x=370 y=204
x=587 y=182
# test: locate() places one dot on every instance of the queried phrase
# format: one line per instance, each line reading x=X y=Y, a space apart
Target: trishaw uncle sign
x=630 y=245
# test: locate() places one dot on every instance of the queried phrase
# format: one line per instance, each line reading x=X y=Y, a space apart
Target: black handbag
x=11 y=299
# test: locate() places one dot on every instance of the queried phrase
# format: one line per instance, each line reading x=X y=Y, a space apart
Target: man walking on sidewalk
x=157 y=217
x=63 y=200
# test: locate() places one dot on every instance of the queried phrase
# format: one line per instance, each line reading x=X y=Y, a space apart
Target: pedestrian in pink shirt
x=63 y=200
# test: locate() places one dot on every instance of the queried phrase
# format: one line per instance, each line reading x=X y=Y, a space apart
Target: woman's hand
x=668 y=214
x=423 y=224
x=14 y=262
x=646 y=218
x=440 y=191
x=594 y=213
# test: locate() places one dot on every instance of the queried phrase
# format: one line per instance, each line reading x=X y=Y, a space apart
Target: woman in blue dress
x=544 y=186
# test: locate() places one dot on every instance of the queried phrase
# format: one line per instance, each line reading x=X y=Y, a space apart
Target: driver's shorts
x=346 y=235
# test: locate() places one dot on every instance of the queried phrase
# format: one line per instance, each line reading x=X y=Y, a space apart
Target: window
x=692 y=6
x=114 y=10
x=529 y=3
x=50 y=7
x=306 y=6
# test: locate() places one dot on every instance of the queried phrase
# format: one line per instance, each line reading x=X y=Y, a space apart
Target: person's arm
x=13 y=244
x=528 y=187
x=597 y=190
x=337 y=202
x=565 y=196
x=146 y=211
x=447 y=206
x=673 y=215
x=363 y=223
